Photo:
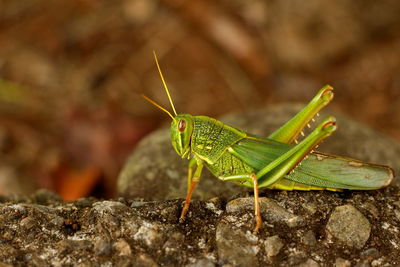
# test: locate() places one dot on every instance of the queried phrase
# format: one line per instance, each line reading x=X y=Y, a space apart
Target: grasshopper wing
x=345 y=172
x=317 y=171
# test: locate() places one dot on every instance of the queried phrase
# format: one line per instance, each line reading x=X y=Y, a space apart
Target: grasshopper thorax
x=181 y=134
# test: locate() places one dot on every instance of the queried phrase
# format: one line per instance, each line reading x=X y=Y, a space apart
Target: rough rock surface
x=155 y=172
x=349 y=225
x=44 y=231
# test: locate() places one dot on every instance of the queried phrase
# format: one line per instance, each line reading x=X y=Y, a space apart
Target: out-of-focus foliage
x=71 y=72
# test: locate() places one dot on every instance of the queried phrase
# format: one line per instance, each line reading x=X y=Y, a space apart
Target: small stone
x=84 y=203
x=45 y=197
x=309 y=238
x=236 y=247
x=377 y=262
x=109 y=207
x=144 y=260
x=28 y=222
x=342 y=263
x=371 y=209
x=102 y=247
x=273 y=245
x=136 y=204
x=310 y=207
x=349 y=226
x=8 y=236
x=170 y=213
x=309 y=263
x=371 y=254
x=57 y=221
x=149 y=234
x=363 y=263
x=214 y=205
x=173 y=244
x=123 y=248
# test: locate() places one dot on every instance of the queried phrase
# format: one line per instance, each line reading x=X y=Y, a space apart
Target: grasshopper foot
x=184 y=211
x=257 y=212
x=326 y=94
x=258 y=224
x=188 y=198
x=182 y=218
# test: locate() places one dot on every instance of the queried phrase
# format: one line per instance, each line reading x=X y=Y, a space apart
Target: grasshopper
x=278 y=161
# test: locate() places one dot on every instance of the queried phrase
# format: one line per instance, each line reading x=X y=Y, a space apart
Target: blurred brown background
x=71 y=71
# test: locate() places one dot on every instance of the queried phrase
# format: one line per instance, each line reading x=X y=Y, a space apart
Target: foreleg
x=193 y=182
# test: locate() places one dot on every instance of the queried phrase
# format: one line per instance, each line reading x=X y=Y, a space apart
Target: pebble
x=273 y=245
x=102 y=247
x=340 y=262
x=109 y=207
x=143 y=260
x=149 y=234
x=235 y=246
x=309 y=263
x=122 y=248
x=28 y=222
x=371 y=253
x=309 y=238
x=349 y=226
x=45 y=197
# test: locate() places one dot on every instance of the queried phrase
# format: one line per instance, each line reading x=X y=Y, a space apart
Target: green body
x=227 y=151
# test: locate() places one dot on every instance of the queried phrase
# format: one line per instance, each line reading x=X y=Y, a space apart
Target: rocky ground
x=300 y=229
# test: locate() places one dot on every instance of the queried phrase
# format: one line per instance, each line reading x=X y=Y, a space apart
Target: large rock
x=154 y=171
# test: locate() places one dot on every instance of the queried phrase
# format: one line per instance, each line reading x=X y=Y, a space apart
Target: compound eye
x=181 y=125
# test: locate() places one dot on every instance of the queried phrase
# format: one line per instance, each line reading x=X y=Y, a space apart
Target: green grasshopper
x=278 y=161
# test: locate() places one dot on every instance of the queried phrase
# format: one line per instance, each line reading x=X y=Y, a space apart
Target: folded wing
x=318 y=170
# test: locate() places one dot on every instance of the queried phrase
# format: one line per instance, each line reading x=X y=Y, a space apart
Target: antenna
x=157 y=105
x=165 y=85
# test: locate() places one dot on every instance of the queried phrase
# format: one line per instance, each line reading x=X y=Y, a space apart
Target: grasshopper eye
x=181 y=125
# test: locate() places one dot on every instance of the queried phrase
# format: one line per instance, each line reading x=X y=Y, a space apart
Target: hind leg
x=289 y=132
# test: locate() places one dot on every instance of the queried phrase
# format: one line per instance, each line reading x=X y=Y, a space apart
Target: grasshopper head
x=181 y=134
x=182 y=124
